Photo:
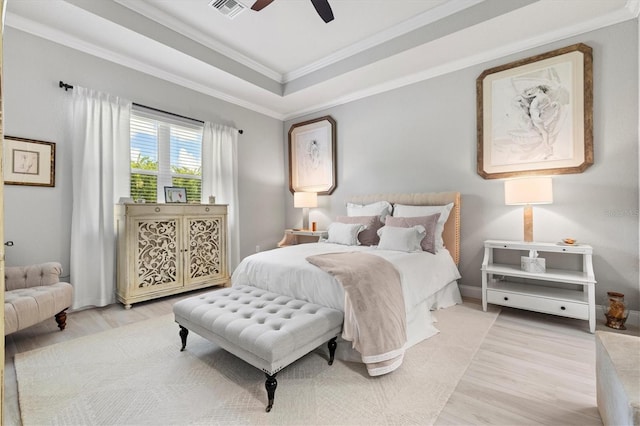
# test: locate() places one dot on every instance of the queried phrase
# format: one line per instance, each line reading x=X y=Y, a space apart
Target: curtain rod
x=66 y=87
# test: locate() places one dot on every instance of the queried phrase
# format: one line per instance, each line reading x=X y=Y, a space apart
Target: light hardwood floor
x=531 y=369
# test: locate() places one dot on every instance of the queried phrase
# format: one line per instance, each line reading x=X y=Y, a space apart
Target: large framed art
x=29 y=162
x=535 y=115
x=312 y=156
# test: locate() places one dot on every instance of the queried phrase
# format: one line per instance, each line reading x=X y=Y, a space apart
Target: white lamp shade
x=305 y=199
x=536 y=190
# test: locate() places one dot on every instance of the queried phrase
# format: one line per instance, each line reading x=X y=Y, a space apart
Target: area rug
x=136 y=375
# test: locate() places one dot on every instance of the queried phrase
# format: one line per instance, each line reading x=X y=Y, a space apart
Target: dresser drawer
x=564 y=308
x=153 y=209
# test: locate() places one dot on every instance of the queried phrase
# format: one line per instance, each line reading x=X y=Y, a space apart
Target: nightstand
x=301 y=236
x=549 y=295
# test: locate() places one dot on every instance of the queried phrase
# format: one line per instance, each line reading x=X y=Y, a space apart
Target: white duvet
x=286 y=271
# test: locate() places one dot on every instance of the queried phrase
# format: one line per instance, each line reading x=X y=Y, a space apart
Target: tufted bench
x=267 y=330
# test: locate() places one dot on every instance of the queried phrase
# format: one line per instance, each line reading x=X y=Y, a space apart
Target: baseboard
x=471 y=291
x=474 y=292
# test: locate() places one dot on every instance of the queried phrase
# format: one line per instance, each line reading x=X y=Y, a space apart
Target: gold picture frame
x=535 y=115
x=29 y=162
x=312 y=156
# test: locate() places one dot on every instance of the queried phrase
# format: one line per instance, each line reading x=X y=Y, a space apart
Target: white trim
x=398 y=30
x=180 y=27
x=486 y=56
x=402 y=28
x=63 y=38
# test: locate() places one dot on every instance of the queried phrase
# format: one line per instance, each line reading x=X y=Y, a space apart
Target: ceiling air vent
x=229 y=8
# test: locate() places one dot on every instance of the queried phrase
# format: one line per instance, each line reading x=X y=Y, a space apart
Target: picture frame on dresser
x=535 y=115
x=312 y=156
x=29 y=162
x=175 y=194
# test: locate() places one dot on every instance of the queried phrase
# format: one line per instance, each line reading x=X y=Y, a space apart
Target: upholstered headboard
x=451 y=234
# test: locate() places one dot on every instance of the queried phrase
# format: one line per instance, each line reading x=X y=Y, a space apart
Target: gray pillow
x=402 y=210
x=401 y=239
x=429 y=222
x=344 y=233
x=368 y=236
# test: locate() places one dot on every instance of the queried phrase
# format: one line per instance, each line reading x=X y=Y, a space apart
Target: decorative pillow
x=401 y=239
x=401 y=210
x=369 y=235
x=429 y=223
x=344 y=233
x=379 y=208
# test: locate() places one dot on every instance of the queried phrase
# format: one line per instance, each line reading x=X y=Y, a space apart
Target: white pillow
x=379 y=208
x=402 y=210
x=344 y=233
x=401 y=239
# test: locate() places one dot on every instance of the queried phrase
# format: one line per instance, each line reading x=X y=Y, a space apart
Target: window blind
x=165 y=151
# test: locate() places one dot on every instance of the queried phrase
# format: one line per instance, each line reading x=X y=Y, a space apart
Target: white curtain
x=99 y=132
x=220 y=178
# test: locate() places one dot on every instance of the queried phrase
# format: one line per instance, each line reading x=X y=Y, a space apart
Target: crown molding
x=449 y=8
x=629 y=12
x=65 y=39
x=149 y=11
x=418 y=21
x=487 y=56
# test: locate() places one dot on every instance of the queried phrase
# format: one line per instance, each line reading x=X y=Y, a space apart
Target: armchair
x=34 y=293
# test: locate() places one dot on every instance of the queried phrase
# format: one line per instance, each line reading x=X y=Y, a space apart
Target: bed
x=429 y=280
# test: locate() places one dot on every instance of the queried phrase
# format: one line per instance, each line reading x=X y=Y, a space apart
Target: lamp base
x=528 y=223
x=305 y=218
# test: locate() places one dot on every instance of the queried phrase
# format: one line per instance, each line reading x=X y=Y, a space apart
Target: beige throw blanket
x=375 y=318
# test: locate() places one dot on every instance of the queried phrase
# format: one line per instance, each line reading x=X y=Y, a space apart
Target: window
x=165 y=151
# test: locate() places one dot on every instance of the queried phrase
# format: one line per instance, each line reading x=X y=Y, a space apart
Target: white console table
x=547 y=298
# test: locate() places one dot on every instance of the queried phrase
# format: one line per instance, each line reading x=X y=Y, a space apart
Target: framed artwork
x=535 y=115
x=312 y=156
x=175 y=194
x=29 y=162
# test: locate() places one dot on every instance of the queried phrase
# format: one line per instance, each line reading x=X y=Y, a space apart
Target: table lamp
x=305 y=200
x=528 y=191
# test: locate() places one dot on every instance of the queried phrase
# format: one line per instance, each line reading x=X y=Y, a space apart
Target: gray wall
x=418 y=138
x=422 y=138
x=38 y=219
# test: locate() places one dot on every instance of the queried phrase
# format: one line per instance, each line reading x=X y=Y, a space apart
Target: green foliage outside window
x=145 y=185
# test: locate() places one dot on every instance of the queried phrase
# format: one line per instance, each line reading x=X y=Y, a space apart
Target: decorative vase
x=616 y=311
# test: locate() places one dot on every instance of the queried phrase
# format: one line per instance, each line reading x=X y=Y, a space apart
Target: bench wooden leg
x=271 y=383
x=332 y=350
x=61 y=319
x=183 y=336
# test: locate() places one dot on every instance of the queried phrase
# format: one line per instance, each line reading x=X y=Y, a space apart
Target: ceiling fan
x=322 y=7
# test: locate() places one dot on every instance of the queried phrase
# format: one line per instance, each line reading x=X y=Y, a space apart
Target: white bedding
x=286 y=271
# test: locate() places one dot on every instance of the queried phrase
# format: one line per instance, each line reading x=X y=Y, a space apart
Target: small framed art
x=175 y=194
x=29 y=162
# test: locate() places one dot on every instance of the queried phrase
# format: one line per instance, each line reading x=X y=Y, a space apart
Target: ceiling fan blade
x=261 y=4
x=323 y=9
